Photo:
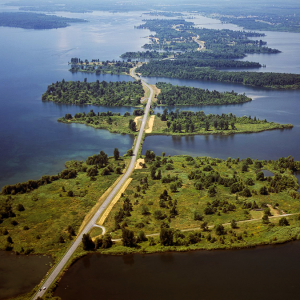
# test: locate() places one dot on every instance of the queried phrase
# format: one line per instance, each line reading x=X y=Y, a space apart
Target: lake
x=269 y=272
x=33 y=143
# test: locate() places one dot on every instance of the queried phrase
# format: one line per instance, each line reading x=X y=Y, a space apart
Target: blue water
x=34 y=144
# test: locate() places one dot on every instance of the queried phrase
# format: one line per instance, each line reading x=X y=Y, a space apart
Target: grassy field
x=190 y=199
x=42 y=228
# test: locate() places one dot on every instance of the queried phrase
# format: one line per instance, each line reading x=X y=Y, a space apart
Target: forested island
x=171 y=69
x=174 y=123
x=28 y=20
x=180 y=35
x=183 y=95
x=96 y=93
x=188 y=122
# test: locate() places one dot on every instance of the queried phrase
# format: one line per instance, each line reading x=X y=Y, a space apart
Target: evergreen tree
x=116 y=154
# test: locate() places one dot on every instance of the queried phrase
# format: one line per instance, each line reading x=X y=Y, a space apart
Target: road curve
x=59 y=267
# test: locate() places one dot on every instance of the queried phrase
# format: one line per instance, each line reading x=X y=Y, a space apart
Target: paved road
x=110 y=197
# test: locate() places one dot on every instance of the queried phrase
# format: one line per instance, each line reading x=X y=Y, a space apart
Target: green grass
x=49 y=211
x=190 y=200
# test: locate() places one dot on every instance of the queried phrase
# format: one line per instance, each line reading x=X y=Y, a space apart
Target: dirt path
x=150 y=124
x=156 y=92
x=137 y=121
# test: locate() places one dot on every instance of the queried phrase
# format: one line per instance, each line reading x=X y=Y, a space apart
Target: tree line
x=170 y=69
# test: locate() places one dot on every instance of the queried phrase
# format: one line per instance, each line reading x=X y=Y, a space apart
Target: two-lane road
x=59 y=267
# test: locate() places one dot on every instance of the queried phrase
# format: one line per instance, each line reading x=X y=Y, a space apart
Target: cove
x=19 y=274
x=268 y=272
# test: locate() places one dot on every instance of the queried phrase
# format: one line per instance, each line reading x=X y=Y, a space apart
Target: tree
x=265 y=219
x=211 y=191
x=116 y=154
x=158 y=175
x=233 y=224
x=87 y=242
x=267 y=211
x=141 y=237
x=166 y=236
x=129 y=152
x=106 y=241
x=145 y=210
x=220 y=230
x=204 y=226
x=284 y=222
x=20 y=207
x=158 y=215
x=61 y=240
x=206 y=126
x=263 y=190
x=71 y=230
x=244 y=167
x=246 y=192
x=173 y=187
x=198 y=216
x=128 y=238
x=93 y=171
x=260 y=176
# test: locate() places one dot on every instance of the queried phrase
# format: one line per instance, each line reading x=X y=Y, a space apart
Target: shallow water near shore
x=19 y=274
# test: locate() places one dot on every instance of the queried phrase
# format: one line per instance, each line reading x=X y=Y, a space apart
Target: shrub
x=260 y=176
x=20 y=207
x=198 y=216
x=220 y=230
x=284 y=222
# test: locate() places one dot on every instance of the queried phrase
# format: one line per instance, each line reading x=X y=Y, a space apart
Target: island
x=173 y=123
x=38 y=21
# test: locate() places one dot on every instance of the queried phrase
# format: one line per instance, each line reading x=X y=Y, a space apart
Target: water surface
x=19 y=274
x=270 y=272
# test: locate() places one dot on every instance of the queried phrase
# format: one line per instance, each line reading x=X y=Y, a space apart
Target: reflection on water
x=241 y=274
